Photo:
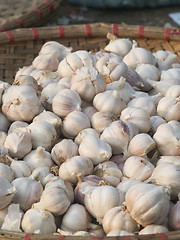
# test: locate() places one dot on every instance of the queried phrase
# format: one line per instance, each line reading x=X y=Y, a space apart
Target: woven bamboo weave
x=25 y=13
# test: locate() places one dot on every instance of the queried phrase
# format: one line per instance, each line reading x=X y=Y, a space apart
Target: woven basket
x=19 y=47
x=25 y=13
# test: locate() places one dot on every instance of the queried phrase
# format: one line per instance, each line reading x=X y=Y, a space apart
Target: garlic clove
x=85 y=132
x=20 y=168
x=26 y=80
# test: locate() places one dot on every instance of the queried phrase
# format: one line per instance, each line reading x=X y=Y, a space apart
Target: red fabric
x=27 y=236
x=38 y=11
x=49 y=4
x=2 y=29
x=61 y=31
x=141 y=31
x=35 y=33
x=21 y=24
x=115 y=29
x=61 y=237
x=167 y=34
x=10 y=36
x=163 y=236
x=88 y=30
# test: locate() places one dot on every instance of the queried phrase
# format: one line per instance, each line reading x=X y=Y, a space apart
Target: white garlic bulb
x=168 y=134
x=109 y=101
x=95 y=149
x=153 y=229
x=3 y=136
x=43 y=134
x=73 y=123
x=169 y=159
x=38 y=158
x=109 y=172
x=155 y=121
x=147 y=203
x=85 y=132
x=169 y=108
x=115 y=233
x=138 y=168
x=126 y=183
x=20 y=168
x=99 y=200
x=87 y=82
x=138 y=116
x=3 y=213
x=89 y=110
x=6 y=172
x=26 y=80
x=134 y=79
x=173 y=91
x=28 y=191
x=5 y=123
x=174 y=216
x=172 y=73
x=118 y=218
x=18 y=143
x=75 y=219
x=42 y=174
x=17 y=124
x=74 y=167
x=20 y=103
x=38 y=221
x=26 y=70
x=65 y=81
x=66 y=101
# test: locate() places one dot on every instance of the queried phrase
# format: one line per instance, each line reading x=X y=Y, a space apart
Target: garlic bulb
x=169 y=108
x=169 y=159
x=161 y=55
x=6 y=172
x=147 y=203
x=153 y=229
x=120 y=46
x=26 y=80
x=168 y=63
x=109 y=101
x=47 y=61
x=155 y=121
x=148 y=71
x=143 y=145
x=73 y=123
x=95 y=149
x=18 y=143
x=115 y=233
x=20 y=103
x=134 y=79
x=38 y=221
x=76 y=219
x=3 y=213
x=49 y=92
x=168 y=134
x=5 y=123
x=54 y=199
x=38 y=158
x=53 y=46
x=65 y=81
x=138 y=116
x=13 y=218
x=20 y=168
x=17 y=124
x=173 y=91
x=74 y=61
x=3 y=136
x=87 y=82
x=74 y=167
x=109 y=172
x=28 y=191
x=42 y=174
x=138 y=55
x=43 y=134
x=112 y=68
x=26 y=70
x=126 y=183
x=174 y=216
x=119 y=160
x=118 y=218
x=66 y=101
x=89 y=110
x=172 y=73
x=99 y=200
x=138 y=168
x=51 y=118
x=85 y=132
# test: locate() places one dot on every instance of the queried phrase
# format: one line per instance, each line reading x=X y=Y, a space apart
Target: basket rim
x=98 y=29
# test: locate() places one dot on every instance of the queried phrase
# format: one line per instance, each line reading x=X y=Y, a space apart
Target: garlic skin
x=26 y=70
x=155 y=122
x=26 y=80
x=54 y=46
x=134 y=79
x=109 y=172
x=95 y=149
x=3 y=213
x=65 y=82
x=173 y=91
x=147 y=203
x=87 y=82
x=18 y=143
x=42 y=174
x=6 y=172
x=126 y=183
x=115 y=233
x=20 y=168
x=38 y=158
x=169 y=159
x=28 y=191
x=120 y=46
x=169 y=108
x=143 y=145
x=38 y=221
x=43 y=134
x=101 y=120
x=66 y=101
x=47 y=61
x=138 y=116
x=17 y=124
x=174 y=216
x=3 y=136
x=20 y=103
x=53 y=199
x=109 y=101
x=172 y=73
x=168 y=134
x=153 y=229
x=75 y=219
x=5 y=123
x=49 y=92
x=138 y=168
x=138 y=55
x=85 y=132
x=13 y=218
x=161 y=55
x=99 y=200
x=73 y=123
x=148 y=71
x=118 y=218
x=89 y=110
x=74 y=167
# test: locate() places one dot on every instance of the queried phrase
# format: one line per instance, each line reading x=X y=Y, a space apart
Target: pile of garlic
x=90 y=142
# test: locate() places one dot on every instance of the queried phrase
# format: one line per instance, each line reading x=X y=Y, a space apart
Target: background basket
x=19 y=47
x=25 y=13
